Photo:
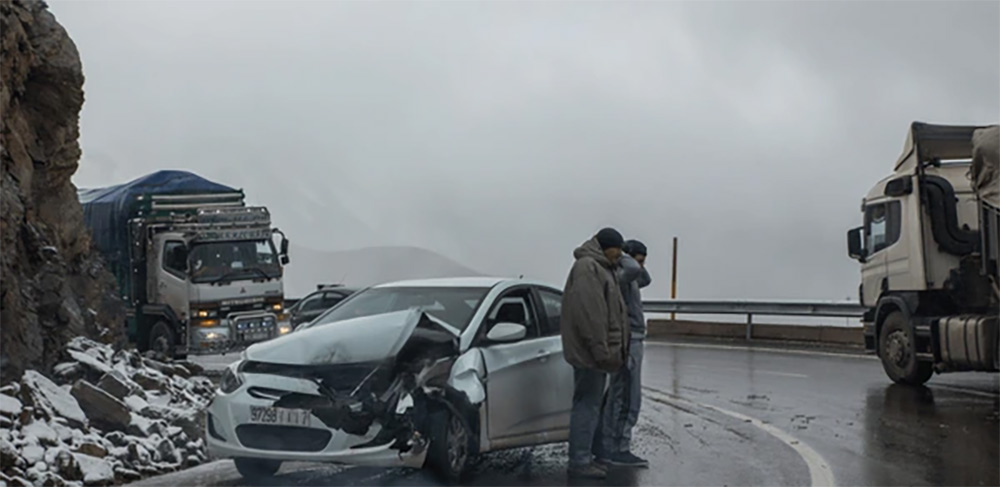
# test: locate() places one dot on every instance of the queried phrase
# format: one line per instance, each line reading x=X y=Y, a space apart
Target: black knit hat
x=634 y=248
x=609 y=238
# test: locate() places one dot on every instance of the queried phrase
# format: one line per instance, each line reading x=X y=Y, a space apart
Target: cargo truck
x=929 y=255
x=197 y=268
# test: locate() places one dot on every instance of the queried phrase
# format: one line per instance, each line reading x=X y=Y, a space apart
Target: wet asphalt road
x=732 y=415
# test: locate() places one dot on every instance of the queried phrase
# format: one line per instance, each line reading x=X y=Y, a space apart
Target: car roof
x=484 y=282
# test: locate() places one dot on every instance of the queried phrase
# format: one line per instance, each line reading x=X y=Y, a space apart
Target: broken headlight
x=232 y=379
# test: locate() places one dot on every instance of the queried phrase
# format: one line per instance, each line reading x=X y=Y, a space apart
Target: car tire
x=255 y=468
x=450 y=451
x=161 y=339
x=897 y=350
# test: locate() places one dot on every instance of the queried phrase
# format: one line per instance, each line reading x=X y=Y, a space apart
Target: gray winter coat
x=632 y=277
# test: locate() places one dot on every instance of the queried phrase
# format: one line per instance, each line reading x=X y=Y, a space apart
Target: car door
x=558 y=396
x=516 y=374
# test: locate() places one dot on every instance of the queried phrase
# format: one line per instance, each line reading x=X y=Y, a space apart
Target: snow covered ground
x=105 y=417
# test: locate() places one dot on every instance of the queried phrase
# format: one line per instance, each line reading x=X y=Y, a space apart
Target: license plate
x=282 y=416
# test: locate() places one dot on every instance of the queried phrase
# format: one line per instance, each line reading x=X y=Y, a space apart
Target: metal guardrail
x=750 y=308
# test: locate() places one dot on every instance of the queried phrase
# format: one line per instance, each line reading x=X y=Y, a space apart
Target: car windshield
x=452 y=305
x=234 y=261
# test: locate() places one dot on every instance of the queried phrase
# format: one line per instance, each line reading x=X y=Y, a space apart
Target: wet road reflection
x=869 y=431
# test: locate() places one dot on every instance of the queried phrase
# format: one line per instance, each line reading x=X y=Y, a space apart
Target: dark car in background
x=315 y=303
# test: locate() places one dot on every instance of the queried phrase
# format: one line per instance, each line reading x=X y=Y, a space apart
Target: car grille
x=341 y=378
x=282 y=438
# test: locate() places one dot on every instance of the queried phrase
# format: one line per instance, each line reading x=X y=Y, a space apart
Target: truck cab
x=931 y=301
x=197 y=267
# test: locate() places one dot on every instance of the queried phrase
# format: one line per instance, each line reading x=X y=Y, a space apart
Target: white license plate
x=282 y=416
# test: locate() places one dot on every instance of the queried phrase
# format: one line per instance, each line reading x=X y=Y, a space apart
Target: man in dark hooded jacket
x=595 y=336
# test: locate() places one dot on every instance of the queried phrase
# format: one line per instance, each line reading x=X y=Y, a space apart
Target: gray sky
x=503 y=134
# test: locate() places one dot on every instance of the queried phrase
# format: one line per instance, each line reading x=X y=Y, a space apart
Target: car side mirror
x=507 y=332
x=855 y=244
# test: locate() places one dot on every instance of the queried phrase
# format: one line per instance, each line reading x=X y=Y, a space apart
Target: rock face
x=53 y=287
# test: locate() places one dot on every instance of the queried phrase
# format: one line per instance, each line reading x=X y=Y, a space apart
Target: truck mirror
x=284 y=246
x=284 y=260
x=855 y=244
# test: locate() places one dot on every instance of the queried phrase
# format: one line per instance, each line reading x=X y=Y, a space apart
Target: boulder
x=117 y=438
x=8 y=454
x=41 y=393
x=101 y=408
x=64 y=463
x=96 y=471
x=124 y=475
x=33 y=454
x=166 y=452
x=45 y=434
x=149 y=381
x=93 y=449
x=139 y=454
x=116 y=384
x=10 y=406
x=68 y=372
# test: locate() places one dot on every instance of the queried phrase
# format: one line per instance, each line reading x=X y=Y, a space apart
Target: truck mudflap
x=968 y=343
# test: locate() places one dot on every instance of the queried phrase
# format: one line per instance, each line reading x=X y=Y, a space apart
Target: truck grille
x=282 y=438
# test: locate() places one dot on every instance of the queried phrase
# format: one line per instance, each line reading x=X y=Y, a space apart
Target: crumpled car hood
x=364 y=339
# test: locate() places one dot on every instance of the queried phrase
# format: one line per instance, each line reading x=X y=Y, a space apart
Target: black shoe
x=627 y=459
x=589 y=471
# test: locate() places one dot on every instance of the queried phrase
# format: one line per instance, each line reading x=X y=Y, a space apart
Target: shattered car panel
x=467 y=376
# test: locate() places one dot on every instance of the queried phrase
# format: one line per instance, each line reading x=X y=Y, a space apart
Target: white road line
x=964 y=391
x=656 y=343
x=820 y=473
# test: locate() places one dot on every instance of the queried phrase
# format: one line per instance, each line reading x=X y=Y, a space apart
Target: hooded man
x=595 y=337
x=621 y=406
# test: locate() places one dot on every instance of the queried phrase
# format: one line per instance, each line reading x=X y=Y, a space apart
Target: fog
x=503 y=134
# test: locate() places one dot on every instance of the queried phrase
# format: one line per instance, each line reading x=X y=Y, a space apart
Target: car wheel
x=161 y=339
x=898 y=352
x=450 y=449
x=255 y=468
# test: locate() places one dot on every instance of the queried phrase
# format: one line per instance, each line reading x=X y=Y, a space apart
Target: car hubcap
x=897 y=349
x=457 y=443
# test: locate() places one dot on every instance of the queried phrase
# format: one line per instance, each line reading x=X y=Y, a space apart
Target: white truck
x=928 y=252
x=197 y=268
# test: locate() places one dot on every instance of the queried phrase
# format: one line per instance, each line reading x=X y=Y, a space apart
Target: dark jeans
x=620 y=411
x=588 y=393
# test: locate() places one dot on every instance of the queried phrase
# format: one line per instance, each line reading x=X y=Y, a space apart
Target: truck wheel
x=449 y=451
x=897 y=349
x=256 y=468
x=161 y=339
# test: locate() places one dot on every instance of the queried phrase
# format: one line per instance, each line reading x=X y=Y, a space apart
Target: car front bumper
x=227 y=412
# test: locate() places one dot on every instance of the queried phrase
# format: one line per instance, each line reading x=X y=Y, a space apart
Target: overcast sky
x=504 y=134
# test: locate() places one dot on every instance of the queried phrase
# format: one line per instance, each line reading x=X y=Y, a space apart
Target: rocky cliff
x=52 y=285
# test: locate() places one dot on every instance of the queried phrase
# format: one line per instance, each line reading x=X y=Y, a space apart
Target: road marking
x=964 y=391
x=820 y=473
x=760 y=349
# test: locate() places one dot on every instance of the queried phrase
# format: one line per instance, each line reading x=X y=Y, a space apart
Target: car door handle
x=543 y=356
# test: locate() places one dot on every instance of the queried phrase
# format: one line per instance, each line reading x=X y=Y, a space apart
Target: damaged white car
x=406 y=374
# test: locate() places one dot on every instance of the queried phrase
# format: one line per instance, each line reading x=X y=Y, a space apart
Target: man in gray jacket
x=621 y=406
x=595 y=336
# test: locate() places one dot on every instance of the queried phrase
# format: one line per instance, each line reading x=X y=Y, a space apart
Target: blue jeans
x=620 y=411
x=588 y=392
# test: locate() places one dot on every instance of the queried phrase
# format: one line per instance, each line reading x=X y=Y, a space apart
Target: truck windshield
x=234 y=261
